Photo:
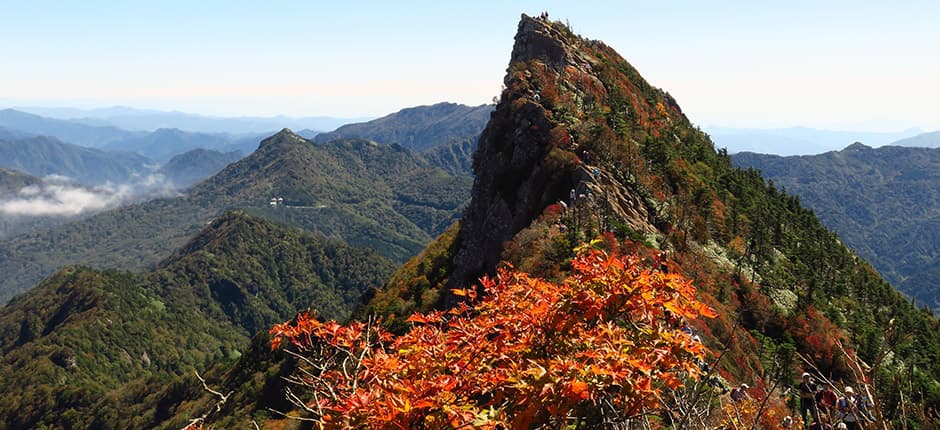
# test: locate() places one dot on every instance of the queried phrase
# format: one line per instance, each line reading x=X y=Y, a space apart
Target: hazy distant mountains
x=163 y=144
x=150 y=120
x=801 y=140
x=99 y=167
x=159 y=145
x=66 y=131
x=883 y=202
x=926 y=140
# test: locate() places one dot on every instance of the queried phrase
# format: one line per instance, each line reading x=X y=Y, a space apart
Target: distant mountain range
x=66 y=182
x=799 y=140
x=159 y=145
x=151 y=120
x=66 y=131
x=883 y=202
x=165 y=143
x=126 y=128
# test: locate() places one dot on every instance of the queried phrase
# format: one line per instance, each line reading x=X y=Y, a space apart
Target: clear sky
x=855 y=65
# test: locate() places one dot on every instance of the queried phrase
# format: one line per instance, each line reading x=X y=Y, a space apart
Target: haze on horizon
x=860 y=65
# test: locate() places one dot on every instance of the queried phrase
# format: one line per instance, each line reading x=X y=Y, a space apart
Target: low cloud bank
x=57 y=196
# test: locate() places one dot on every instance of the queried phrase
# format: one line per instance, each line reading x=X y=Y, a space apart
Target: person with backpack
x=849 y=410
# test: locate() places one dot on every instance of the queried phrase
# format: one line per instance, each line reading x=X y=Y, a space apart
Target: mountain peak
x=283 y=137
x=570 y=109
x=540 y=39
x=857 y=146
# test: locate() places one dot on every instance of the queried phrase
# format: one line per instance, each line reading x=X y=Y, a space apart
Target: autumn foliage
x=599 y=347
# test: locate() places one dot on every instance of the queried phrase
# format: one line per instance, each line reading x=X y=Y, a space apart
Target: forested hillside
x=102 y=349
x=883 y=202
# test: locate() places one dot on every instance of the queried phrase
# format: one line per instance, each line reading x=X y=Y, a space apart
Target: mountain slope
x=884 y=202
x=8 y=134
x=44 y=156
x=577 y=124
x=96 y=349
x=193 y=166
x=384 y=197
x=12 y=181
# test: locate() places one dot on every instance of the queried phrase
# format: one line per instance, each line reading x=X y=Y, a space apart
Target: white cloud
x=64 y=199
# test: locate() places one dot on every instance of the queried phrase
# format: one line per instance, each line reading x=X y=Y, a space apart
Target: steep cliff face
x=541 y=145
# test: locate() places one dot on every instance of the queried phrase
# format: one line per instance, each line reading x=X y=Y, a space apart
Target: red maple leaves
x=529 y=352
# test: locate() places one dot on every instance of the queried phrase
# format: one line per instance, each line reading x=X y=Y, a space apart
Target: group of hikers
x=822 y=408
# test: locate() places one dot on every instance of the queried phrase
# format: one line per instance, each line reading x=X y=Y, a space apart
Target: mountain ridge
x=419 y=128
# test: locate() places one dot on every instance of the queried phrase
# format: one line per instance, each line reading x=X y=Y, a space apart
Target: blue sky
x=848 y=65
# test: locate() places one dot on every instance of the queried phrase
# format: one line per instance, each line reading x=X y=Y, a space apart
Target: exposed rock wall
x=526 y=158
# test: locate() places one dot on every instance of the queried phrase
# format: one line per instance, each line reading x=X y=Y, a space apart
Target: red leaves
x=529 y=351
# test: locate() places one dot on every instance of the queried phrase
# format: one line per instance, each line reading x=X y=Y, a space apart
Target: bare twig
x=218 y=405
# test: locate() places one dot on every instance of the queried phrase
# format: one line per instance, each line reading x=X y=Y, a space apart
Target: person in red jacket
x=826 y=399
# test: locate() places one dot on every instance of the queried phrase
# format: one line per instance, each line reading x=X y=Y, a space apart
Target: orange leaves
x=527 y=351
x=579 y=390
x=705 y=310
